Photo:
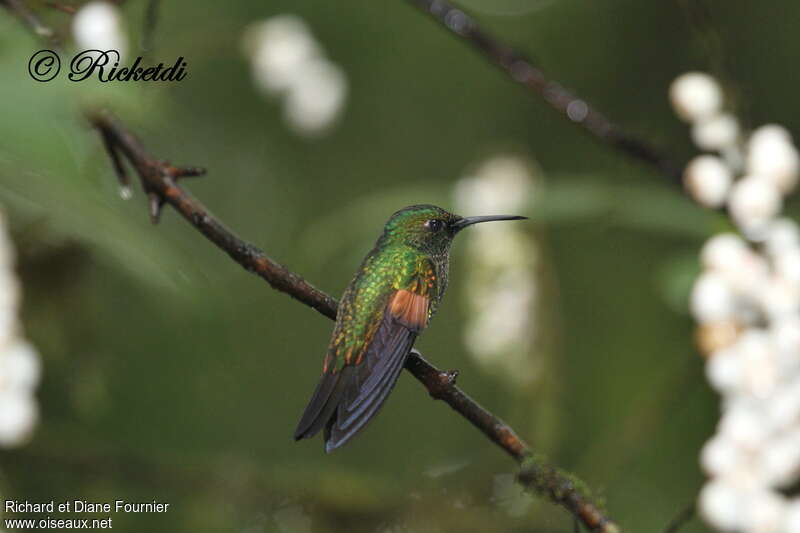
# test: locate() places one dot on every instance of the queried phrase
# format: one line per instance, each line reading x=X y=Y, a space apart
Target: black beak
x=462 y=223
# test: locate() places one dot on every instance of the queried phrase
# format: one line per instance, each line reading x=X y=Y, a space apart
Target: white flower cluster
x=98 y=26
x=19 y=362
x=768 y=159
x=747 y=304
x=288 y=62
x=501 y=258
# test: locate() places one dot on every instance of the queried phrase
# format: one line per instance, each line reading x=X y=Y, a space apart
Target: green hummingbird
x=391 y=299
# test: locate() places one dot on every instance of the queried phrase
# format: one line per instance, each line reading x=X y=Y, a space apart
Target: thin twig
x=64 y=8
x=681 y=519
x=29 y=19
x=566 y=490
x=160 y=181
x=523 y=71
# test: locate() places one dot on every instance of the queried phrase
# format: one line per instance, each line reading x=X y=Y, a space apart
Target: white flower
x=280 y=47
x=785 y=333
x=783 y=408
x=502 y=258
x=791 y=518
x=782 y=235
x=695 y=96
x=19 y=363
x=720 y=456
x=288 y=63
x=780 y=460
x=721 y=504
x=712 y=299
x=708 y=180
x=754 y=201
x=748 y=278
x=503 y=246
x=500 y=185
x=724 y=252
x=747 y=304
x=787 y=265
x=9 y=327
x=770 y=153
x=744 y=425
x=768 y=133
x=716 y=132
x=779 y=297
x=763 y=512
x=18 y=415
x=759 y=364
x=317 y=97
x=98 y=26
x=19 y=366
x=724 y=370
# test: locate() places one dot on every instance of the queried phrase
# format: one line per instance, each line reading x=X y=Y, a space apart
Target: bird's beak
x=462 y=223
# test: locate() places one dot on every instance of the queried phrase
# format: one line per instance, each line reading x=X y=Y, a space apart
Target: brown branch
x=29 y=19
x=64 y=8
x=565 y=490
x=160 y=182
x=569 y=105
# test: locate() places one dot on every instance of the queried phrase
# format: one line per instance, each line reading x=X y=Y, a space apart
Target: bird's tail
x=322 y=406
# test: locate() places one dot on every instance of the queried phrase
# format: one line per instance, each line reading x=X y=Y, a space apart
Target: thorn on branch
x=157 y=176
x=155 y=202
x=116 y=161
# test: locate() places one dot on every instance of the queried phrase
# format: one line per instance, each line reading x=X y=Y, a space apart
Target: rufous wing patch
x=410 y=309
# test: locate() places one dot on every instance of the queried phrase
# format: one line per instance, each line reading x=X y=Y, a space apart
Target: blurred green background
x=172 y=374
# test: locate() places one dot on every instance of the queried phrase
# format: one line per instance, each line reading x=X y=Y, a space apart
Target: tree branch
x=29 y=19
x=159 y=180
x=523 y=71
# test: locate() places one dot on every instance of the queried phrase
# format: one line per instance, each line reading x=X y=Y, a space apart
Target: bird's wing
x=349 y=396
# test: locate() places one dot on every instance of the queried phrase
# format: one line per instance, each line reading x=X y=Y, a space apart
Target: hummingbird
x=389 y=302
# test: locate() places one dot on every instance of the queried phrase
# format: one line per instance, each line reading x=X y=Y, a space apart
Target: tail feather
x=346 y=424
x=322 y=405
x=345 y=401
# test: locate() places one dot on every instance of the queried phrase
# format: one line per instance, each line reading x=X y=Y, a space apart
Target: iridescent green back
x=402 y=258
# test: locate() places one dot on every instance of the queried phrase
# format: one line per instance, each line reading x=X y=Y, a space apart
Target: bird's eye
x=434 y=225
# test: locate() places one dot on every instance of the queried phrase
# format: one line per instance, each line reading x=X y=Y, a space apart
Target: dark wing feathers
x=391 y=339
x=392 y=355
x=322 y=405
x=345 y=400
x=352 y=416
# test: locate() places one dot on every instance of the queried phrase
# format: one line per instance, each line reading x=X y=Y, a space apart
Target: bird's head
x=431 y=229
